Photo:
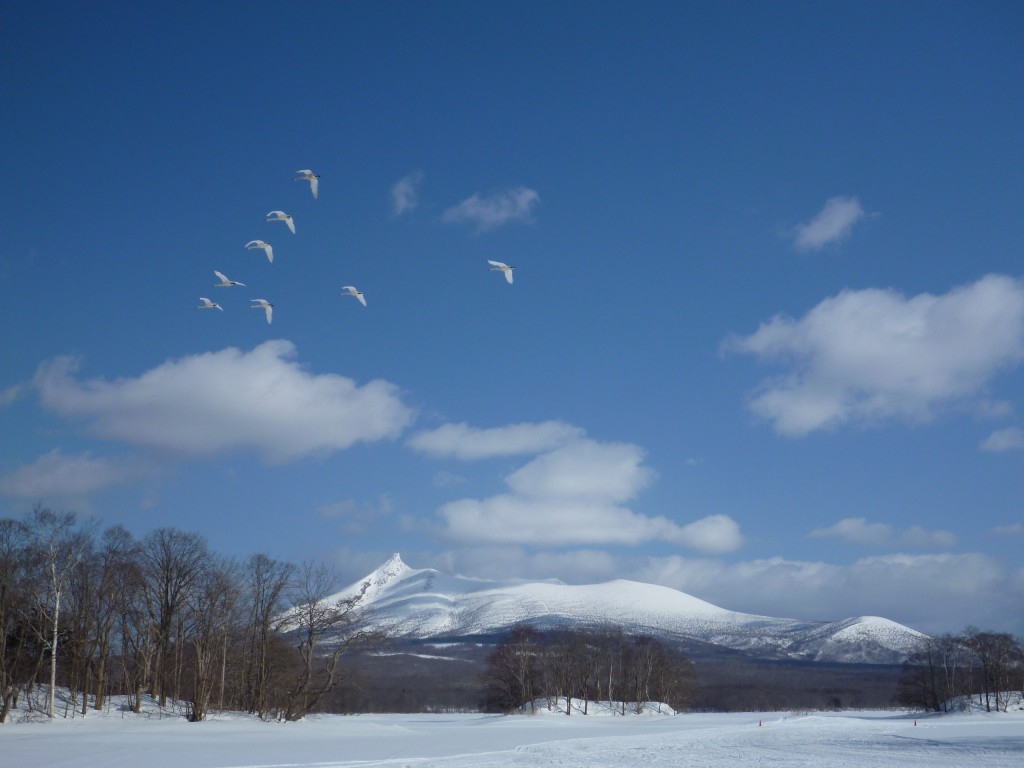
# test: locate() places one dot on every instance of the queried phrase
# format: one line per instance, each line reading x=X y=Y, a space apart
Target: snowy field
x=737 y=740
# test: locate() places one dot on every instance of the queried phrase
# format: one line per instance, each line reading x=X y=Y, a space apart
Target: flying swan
x=265 y=246
x=312 y=178
x=497 y=266
x=282 y=216
x=351 y=290
x=264 y=304
x=224 y=282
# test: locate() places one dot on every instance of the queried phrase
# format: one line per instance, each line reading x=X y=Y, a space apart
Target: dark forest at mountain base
x=418 y=676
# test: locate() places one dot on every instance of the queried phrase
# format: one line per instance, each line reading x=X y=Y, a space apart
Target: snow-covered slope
x=426 y=603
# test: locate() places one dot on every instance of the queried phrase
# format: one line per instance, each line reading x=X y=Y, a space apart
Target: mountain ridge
x=424 y=604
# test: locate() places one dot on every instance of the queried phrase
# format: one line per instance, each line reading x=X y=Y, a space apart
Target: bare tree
x=15 y=607
x=210 y=615
x=119 y=575
x=585 y=665
x=512 y=672
x=998 y=656
x=319 y=624
x=172 y=562
x=266 y=581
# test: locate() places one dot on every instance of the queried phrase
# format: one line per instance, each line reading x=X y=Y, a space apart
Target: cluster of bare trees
x=102 y=613
x=587 y=665
x=949 y=670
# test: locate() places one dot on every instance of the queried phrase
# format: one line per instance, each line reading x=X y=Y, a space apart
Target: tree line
x=945 y=672
x=587 y=665
x=102 y=613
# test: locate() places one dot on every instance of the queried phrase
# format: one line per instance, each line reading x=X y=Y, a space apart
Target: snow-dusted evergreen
x=425 y=603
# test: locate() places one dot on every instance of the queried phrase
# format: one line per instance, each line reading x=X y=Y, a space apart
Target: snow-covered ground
x=737 y=740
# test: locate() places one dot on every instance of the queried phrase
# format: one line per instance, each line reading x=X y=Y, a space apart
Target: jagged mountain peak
x=371 y=586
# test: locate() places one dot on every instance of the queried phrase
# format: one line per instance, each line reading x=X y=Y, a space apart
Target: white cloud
x=832 y=223
x=872 y=354
x=55 y=475
x=1014 y=529
x=714 y=534
x=490 y=212
x=926 y=592
x=510 y=519
x=859 y=531
x=10 y=394
x=577 y=566
x=221 y=401
x=444 y=479
x=1009 y=439
x=584 y=469
x=354 y=517
x=573 y=494
x=468 y=443
x=404 y=196
x=921 y=538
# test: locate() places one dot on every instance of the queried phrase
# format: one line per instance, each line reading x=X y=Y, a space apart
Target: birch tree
x=60 y=549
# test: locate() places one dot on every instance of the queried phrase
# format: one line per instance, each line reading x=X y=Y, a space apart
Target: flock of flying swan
x=347 y=290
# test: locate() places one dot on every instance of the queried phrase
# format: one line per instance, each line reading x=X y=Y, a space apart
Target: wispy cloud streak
x=491 y=212
x=831 y=224
x=405 y=195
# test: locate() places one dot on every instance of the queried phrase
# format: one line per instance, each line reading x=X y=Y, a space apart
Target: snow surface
x=426 y=603
x=738 y=740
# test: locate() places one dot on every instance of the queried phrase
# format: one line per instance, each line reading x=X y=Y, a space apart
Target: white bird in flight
x=312 y=178
x=497 y=266
x=264 y=304
x=265 y=246
x=351 y=290
x=207 y=304
x=282 y=216
x=224 y=282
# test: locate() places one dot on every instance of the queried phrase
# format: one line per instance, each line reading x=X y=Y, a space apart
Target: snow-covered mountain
x=427 y=604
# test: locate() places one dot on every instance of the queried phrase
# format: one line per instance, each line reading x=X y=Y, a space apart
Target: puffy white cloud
x=404 y=195
x=586 y=470
x=465 y=442
x=1009 y=439
x=56 y=475
x=873 y=354
x=859 y=531
x=221 y=401
x=511 y=519
x=832 y=223
x=573 y=495
x=490 y=212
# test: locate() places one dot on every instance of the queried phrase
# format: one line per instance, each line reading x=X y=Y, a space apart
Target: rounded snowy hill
x=425 y=603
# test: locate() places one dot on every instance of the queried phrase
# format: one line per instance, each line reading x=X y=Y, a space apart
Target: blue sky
x=765 y=341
